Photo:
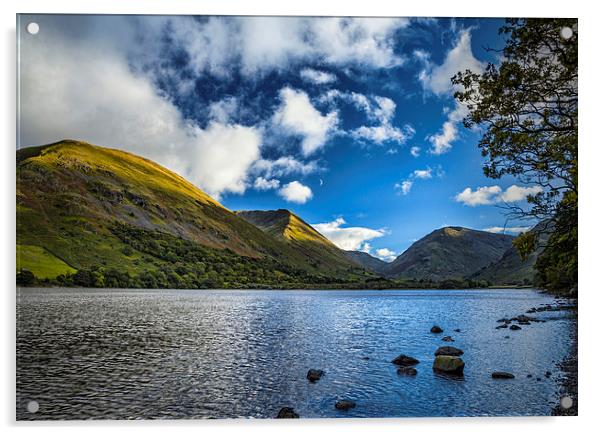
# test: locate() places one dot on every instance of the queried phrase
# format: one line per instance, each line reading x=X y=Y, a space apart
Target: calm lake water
x=123 y=354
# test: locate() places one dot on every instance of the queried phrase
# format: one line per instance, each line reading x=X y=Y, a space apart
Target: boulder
x=287 y=412
x=407 y=371
x=515 y=327
x=344 y=405
x=449 y=351
x=447 y=338
x=448 y=364
x=314 y=375
x=405 y=361
x=502 y=375
x=436 y=330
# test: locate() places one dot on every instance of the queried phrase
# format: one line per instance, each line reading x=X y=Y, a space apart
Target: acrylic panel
x=295 y=217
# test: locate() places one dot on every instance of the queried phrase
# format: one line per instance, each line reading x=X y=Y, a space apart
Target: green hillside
x=105 y=212
x=367 y=261
x=449 y=253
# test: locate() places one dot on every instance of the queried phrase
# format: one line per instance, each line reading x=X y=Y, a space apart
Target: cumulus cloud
x=297 y=115
x=81 y=89
x=283 y=166
x=404 y=187
x=503 y=230
x=488 y=195
x=348 y=238
x=296 y=192
x=415 y=151
x=259 y=44
x=386 y=254
x=317 y=77
x=517 y=193
x=423 y=174
x=437 y=78
x=266 y=184
x=379 y=110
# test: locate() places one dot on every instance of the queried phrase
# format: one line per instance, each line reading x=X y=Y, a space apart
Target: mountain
x=286 y=226
x=449 y=253
x=82 y=207
x=511 y=269
x=367 y=261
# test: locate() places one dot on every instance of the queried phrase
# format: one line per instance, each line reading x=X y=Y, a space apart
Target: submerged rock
x=448 y=364
x=502 y=375
x=447 y=338
x=505 y=325
x=287 y=412
x=314 y=375
x=515 y=327
x=436 y=330
x=405 y=361
x=449 y=351
x=457 y=330
x=407 y=371
x=344 y=405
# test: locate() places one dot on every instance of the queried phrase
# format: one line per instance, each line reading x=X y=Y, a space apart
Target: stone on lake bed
x=405 y=361
x=287 y=412
x=344 y=405
x=448 y=364
x=314 y=375
x=408 y=371
x=449 y=351
x=447 y=338
x=502 y=375
x=515 y=327
x=436 y=330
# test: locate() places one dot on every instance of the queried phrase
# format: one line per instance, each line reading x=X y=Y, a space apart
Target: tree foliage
x=527 y=109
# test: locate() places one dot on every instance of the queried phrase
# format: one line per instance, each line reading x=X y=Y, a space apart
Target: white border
x=590 y=240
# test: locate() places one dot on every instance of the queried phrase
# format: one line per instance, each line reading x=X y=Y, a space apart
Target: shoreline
x=569 y=382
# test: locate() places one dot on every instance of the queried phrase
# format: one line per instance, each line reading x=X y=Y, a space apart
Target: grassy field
x=41 y=262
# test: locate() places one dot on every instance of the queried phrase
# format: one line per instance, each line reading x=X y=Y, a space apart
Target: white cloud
x=260 y=44
x=404 y=187
x=480 y=196
x=223 y=110
x=386 y=254
x=317 y=77
x=285 y=165
x=442 y=141
x=423 y=174
x=437 y=79
x=266 y=184
x=297 y=115
x=494 y=194
x=415 y=151
x=82 y=89
x=296 y=192
x=382 y=133
x=517 y=193
x=503 y=230
x=348 y=238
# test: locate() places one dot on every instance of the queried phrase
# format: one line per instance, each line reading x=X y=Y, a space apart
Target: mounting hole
x=33 y=28
x=566 y=33
x=566 y=402
x=33 y=406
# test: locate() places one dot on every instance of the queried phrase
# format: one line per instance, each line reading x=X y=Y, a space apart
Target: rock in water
x=314 y=375
x=515 y=327
x=436 y=330
x=447 y=338
x=457 y=330
x=408 y=371
x=449 y=351
x=405 y=361
x=344 y=405
x=287 y=412
x=448 y=364
x=502 y=375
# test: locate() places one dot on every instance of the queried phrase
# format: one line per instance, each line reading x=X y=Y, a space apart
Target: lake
x=148 y=354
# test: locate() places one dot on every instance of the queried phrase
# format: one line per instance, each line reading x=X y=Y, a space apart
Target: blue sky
x=350 y=123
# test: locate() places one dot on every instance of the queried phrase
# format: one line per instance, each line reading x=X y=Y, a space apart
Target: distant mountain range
x=93 y=216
